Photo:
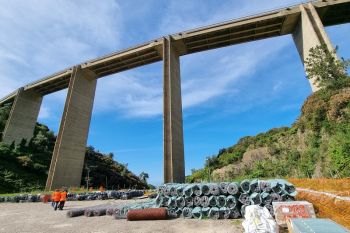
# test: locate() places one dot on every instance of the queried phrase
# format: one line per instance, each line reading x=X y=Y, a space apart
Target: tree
x=110 y=155
x=4 y=113
x=325 y=68
x=144 y=176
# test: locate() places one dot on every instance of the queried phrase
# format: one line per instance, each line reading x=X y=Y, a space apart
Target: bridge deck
x=261 y=26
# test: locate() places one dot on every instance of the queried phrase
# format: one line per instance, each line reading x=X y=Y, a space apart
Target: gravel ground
x=40 y=217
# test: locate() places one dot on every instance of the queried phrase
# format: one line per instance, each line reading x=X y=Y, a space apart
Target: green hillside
x=316 y=145
x=24 y=167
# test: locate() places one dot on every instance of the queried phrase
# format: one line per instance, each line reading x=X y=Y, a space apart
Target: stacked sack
x=222 y=200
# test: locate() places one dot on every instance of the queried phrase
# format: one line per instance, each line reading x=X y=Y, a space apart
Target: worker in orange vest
x=63 y=198
x=52 y=201
x=56 y=198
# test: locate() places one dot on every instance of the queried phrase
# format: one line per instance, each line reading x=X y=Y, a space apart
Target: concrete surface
x=68 y=156
x=23 y=116
x=174 y=163
x=40 y=217
x=310 y=33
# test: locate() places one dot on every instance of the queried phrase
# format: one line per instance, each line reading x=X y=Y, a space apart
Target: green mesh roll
x=214 y=213
x=197 y=212
x=187 y=212
x=231 y=201
x=212 y=201
x=221 y=201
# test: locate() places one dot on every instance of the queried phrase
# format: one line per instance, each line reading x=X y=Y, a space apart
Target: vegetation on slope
x=24 y=167
x=316 y=145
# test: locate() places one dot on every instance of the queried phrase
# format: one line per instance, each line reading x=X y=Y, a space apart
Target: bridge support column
x=69 y=152
x=23 y=117
x=309 y=33
x=174 y=165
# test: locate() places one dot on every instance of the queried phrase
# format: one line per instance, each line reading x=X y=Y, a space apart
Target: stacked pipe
x=222 y=200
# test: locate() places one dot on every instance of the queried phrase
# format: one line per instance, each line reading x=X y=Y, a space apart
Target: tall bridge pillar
x=174 y=165
x=23 y=116
x=309 y=33
x=69 y=152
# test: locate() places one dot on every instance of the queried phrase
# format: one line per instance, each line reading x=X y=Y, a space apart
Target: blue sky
x=227 y=93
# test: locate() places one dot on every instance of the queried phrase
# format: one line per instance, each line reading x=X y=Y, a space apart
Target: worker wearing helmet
x=56 y=198
x=63 y=198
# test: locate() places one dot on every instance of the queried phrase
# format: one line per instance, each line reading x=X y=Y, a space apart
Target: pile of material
x=118 y=211
x=222 y=200
x=205 y=200
x=112 y=194
x=22 y=198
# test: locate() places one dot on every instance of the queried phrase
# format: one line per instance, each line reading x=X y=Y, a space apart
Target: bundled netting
x=205 y=200
x=121 y=211
x=118 y=211
x=222 y=200
x=112 y=194
x=22 y=198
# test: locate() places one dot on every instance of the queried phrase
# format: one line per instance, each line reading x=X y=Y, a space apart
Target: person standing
x=63 y=198
x=52 y=199
x=56 y=198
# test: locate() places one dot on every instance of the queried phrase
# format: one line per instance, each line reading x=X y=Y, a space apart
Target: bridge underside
x=305 y=22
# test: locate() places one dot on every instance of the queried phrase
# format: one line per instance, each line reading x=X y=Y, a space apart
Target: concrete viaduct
x=305 y=22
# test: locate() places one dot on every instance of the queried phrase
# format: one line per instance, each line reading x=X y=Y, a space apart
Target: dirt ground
x=40 y=217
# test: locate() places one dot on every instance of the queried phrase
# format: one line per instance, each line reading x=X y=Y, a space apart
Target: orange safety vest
x=63 y=196
x=56 y=196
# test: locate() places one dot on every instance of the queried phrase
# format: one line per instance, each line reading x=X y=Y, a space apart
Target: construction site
x=249 y=206
x=292 y=178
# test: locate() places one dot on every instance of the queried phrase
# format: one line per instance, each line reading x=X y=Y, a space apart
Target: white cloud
x=44 y=113
x=130 y=94
x=135 y=96
x=39 y=38
x=43 y=37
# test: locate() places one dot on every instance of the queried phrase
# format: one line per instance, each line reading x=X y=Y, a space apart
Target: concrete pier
x=174 y=164
x=23 y=116
x=69 y=152
x=309 y=33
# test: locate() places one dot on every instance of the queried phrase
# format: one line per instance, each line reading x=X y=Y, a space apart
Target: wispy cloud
x=44 y=37
x=136 y=96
